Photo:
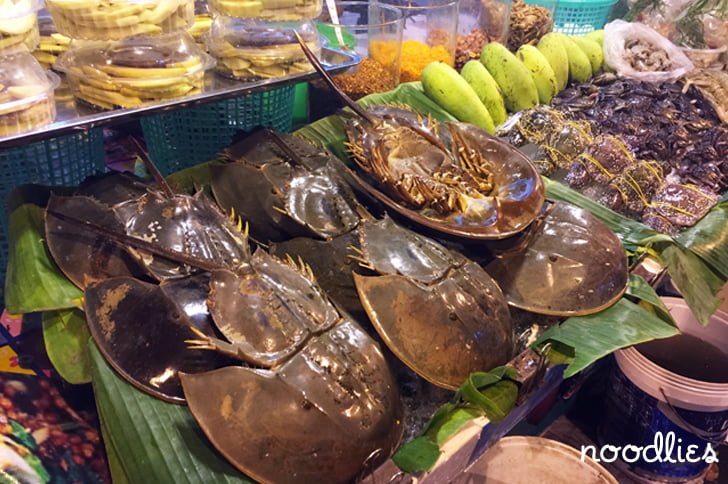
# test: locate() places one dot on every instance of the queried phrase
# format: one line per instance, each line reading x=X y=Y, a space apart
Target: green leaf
x=709 y=239
x=22 y=435
x=34 y=282
x=597 y=335
x=66 y=340
x=492 y=394
x=697 y=283
x=118 y=475
x=641 y=289
x=155 y=441
x=190 y=179
x=628 y=230
x=441 y=427
x=495 y=401
x=35 y=463
x=417 y=455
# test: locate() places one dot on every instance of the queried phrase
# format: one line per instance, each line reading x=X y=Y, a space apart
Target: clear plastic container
x=26 y=94
x=429 y=33
x=273 y=10
x=117 y=19
x=136 y=70
x=19 y=25
x=374 y=32
x=252 y=50
x=52 y=44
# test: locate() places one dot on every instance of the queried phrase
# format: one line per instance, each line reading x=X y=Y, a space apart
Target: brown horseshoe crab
x=332 y=405
x=569 y=263
x=453 y=178
x=282 y=199
x=418 y=294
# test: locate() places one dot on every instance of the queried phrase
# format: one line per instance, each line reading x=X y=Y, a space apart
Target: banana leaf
x=33 y=281
x=595 y=336
x=154 y=441
x=66 y=341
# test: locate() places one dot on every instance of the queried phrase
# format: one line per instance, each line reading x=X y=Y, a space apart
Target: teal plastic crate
x=578 y=17
x=65 y=160
x=185 y=138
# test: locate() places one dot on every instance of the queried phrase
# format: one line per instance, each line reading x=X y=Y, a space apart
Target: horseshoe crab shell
x=569 y=264
x=330 y=410
x=439 y=312
x=513 y=202
x=84 y=256
x=142 y=332
x=285 y=187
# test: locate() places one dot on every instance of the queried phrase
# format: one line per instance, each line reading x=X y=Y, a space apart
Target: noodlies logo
x=663 y=449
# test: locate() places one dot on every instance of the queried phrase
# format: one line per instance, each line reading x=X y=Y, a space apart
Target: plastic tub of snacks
x=117 y=19
x=26 y=94
x=136 y=70
x=19 y=24
x=52 y=44
x=252 y=50
x=273 y=10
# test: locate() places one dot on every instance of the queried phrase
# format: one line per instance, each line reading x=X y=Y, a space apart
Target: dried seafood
x=713 y=84
x=645 y=57
x=528 y=24
x=608 y=170
x=669 y=122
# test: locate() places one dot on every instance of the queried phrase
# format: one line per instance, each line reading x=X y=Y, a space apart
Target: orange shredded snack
x=415 y=56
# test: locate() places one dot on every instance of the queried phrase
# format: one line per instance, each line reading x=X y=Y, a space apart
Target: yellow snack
x=114 y=19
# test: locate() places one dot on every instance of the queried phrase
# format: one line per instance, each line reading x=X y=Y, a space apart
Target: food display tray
x=74 y=116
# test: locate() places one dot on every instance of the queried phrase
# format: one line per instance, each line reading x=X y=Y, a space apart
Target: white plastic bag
x=619 y=32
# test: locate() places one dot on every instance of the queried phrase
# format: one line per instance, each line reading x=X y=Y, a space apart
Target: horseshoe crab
x=121 y=203
x=453 y=178
x=418 y=294
x=332 y=404
x=567 y=264
x=283 y=200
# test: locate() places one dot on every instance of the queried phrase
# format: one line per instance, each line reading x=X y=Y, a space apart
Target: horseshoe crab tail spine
x=325 y=75
x=152 y=168
x=139 y=244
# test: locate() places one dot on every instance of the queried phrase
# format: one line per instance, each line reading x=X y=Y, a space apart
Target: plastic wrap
x=637 y=51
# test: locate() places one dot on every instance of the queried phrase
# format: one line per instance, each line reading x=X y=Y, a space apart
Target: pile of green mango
x=503 y=82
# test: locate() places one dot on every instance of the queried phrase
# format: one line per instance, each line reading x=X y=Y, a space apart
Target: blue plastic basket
x=185 y=138
x=578 y=17
x=65 y=160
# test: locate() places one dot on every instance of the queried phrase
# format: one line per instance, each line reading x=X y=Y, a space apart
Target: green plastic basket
x=66 y=160
x=578 y=17
x=185 y=138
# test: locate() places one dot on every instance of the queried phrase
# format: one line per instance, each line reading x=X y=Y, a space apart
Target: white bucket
x=645 y=399
x=529 y=460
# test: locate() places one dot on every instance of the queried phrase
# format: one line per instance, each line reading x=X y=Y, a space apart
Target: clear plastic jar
x=374 y=32
x=273 y=10
x=480 y=22
x=26 y=94
x=252 y=50
x=429 y=33
x=117 y=19
x=19 y=25
x=136 y=70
